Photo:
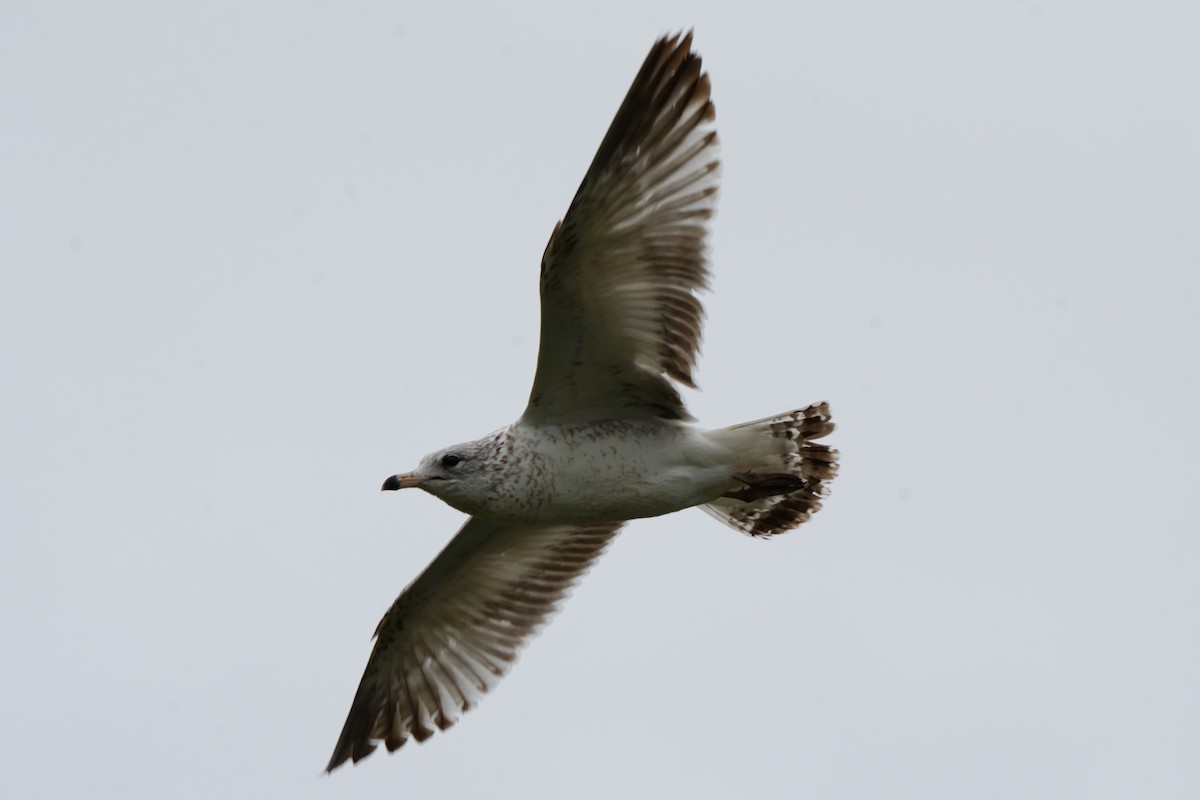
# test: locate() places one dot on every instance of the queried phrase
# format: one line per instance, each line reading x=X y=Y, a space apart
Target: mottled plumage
x=605 y=437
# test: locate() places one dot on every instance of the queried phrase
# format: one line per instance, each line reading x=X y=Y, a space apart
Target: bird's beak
x=405 y=480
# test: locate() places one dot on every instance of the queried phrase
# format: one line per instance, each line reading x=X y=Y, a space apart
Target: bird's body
x=609 y=471
x=605 y=437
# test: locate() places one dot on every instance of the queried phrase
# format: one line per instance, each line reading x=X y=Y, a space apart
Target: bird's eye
x=451 y=461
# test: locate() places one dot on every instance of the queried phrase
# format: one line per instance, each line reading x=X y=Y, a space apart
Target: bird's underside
x=605 y=436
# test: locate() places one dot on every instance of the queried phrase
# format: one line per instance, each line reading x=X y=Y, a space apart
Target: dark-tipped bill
x=405 y=480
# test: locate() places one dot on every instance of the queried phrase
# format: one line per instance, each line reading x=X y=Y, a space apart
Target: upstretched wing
x=456 y=630
x=620 y=316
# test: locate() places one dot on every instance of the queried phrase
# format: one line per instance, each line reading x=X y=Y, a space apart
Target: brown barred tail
x=780 y=472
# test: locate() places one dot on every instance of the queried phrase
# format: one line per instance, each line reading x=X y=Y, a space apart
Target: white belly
x=618 y=471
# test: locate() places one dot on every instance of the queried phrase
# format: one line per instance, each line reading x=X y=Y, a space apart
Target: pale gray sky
x=254 y=259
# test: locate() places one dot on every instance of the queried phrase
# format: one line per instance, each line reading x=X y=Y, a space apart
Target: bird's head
x=459 y=475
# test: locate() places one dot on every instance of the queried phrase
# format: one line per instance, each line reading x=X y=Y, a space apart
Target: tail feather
x=769 y=447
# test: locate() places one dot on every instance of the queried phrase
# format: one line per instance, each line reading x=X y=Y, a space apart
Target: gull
x=605 y=437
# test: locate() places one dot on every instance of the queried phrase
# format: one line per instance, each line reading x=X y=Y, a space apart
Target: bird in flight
x=605 y=437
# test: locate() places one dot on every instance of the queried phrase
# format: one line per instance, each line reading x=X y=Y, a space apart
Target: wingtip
x=682 y=40
x=341 y=755
x=683 y=36
x=346 y=752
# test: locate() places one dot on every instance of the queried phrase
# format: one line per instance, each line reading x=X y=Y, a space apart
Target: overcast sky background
x=254 y=259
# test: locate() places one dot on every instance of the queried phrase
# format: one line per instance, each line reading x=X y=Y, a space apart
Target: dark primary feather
x=621 y=321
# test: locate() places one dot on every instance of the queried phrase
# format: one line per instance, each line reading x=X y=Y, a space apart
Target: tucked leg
x=768 y=484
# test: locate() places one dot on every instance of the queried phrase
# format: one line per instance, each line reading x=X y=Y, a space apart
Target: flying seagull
x=605 y=437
